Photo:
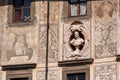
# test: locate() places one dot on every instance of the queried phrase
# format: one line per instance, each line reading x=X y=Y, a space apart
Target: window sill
x=75 y=62
x=21 y=24
x=73 y=18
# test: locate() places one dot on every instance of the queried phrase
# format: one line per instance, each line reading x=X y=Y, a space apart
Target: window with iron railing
x=21 y=10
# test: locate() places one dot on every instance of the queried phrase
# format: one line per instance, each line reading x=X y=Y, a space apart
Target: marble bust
x=77 y=41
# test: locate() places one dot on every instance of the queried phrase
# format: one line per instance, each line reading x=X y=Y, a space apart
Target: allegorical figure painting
x=20 y=49
x=105 y=12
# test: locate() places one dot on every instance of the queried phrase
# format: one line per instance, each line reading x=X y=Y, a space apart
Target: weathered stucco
x=26 y=43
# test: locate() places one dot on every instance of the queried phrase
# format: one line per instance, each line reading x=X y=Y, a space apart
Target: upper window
x=21 y=10
x=77 y=7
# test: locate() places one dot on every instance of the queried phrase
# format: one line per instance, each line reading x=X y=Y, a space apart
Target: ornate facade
x=87 y=45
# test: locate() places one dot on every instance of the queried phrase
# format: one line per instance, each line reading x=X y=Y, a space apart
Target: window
x=76 y=72
x=21 y=10
x=19 y=74
x=77 y=7
x=21 y=13
x=77 y=76
x=19 y=78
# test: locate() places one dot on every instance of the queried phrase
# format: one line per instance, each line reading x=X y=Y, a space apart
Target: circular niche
x=77 y=38
x=72 y=37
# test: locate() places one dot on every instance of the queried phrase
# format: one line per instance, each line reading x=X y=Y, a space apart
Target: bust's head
x=76 y=34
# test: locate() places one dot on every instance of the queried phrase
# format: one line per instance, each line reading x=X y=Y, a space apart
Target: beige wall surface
x=26 y=43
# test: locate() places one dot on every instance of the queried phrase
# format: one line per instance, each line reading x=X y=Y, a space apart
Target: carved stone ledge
x=75 y=62
x=118 y=58
x=18 y=67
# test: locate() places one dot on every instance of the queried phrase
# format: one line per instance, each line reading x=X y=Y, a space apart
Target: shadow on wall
x=9 y=2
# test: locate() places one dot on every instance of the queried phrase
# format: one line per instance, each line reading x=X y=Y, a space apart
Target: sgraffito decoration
x=106 y=72
x=105 y=28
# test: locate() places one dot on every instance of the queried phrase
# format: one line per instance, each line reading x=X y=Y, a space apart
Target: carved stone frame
x=76 y=69
x=19 y=74
x=10 y=14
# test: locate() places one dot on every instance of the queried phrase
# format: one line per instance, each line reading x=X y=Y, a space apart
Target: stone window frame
x=65 y=12
x=10 y=22
x=19 y=74
x=78 y=8
x=74 y=70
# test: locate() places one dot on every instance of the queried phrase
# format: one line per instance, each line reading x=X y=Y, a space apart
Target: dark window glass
x=19 y=79
x=26 y=14
x=81 y=76
x=83 y=7
x=73 y=1
x=76 y=76
x=26 y=10
x=71 y=77
x=17 y=3
x=26 y=3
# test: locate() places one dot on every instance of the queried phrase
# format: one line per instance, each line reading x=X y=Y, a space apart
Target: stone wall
x=2 y=21
x=105 y=28
x=105 y=39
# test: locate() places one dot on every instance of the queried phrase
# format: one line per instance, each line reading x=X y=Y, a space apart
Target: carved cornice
x=18 y=67
x=75 y=62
